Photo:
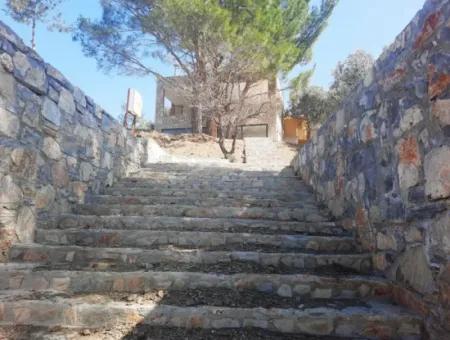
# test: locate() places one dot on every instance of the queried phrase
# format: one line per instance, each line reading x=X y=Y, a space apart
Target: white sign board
x=135 y=103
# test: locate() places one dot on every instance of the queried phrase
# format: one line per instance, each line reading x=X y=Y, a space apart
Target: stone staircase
x=271 y=154
x=198 y=252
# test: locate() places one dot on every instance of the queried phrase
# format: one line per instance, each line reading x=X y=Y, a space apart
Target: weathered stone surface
x=440 y=235
x=57 y=75
x=411 y=118
x=10 y=124
x=31 y=72
x=51 y=148
x=26 y=223
x=10 y=192
x=45 y=197
x=60 y=174
x=50 y=111
x=441 y=111
x=412 y=267
x=6 y=62
x=79 y=96
x=395 y=158
x=284 y=291
x=86 y=171
x=367 y=127
x=66 y=102
x=37 y=109
x=437 y=173
x=386 y=242
x=7 y=89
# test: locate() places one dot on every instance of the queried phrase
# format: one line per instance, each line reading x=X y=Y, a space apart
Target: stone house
x=174 y=113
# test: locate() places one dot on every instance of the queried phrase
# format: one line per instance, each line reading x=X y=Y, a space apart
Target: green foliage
x=349 y=74
x=316 y=103
x=275 y=35
x=25 y=11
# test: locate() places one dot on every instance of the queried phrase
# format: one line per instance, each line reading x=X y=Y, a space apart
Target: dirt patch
x=196 y=146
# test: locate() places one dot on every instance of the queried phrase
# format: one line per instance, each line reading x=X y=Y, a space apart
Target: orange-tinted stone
x=408 y=151
x=118 y=285
x=340 y=185
x=439 y=85
x=361 y=217
x=196 y=321
x=394 y=77
x=385 y=291
x=109 y=239
x=444 y=286
x=430 y=25
x=79 y=189
x=379 y=331
x=410 y=300
x=441 y=110
x=34 y=256
x=135 y=284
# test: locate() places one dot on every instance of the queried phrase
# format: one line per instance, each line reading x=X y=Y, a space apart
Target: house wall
x=382 y=165
x=270 y=116
x=56 y=143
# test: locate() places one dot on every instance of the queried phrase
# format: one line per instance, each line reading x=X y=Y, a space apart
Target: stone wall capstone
x=56 y=143
x=382 y=164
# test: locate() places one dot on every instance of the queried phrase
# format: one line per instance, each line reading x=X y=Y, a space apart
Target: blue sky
x=355 y=24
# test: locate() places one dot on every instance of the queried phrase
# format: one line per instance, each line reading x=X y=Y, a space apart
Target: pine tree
x=30 y=12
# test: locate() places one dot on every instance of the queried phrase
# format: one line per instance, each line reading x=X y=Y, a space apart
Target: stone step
x=206 y=193
x=289 y=187
x=199 y=201
x=129 y=259
x=215 y=180
x=86 y=312
x=68 y=221
x=301 y=285
x=276 y=213
x=211 y=175
x=211 y=168
x=190 y=240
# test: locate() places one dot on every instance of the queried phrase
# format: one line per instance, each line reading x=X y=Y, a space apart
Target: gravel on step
x=235 y=267
x=223 y=297
x=143 y=332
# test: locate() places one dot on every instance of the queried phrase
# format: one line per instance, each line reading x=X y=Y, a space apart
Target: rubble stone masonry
x=56 y=143
x=382 y=165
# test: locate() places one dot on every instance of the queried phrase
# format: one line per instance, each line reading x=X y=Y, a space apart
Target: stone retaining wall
x=382 y=164
x=56 y=144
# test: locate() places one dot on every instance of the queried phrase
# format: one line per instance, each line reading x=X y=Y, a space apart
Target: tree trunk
x=223 y=148
x=33 y=29
x=197 y=121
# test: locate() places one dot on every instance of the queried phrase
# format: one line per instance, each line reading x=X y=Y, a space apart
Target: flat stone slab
x=200 y=201
x=128 y=258
x=282 y=214
x=305 y=285
x=23 y=308
x=151 y=239
x=207 y=193
x=67 y=221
